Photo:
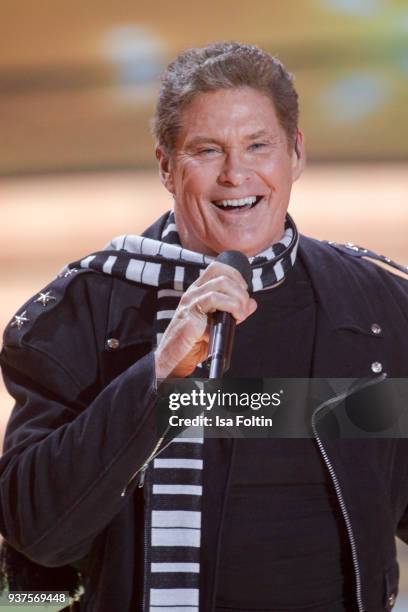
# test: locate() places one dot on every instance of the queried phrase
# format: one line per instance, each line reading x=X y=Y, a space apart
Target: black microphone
x=223 y=323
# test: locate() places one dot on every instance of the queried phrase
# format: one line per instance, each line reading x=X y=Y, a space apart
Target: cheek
x=277 y=174
x=196 y=180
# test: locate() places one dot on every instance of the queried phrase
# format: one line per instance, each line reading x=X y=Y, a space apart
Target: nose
x=234 y=172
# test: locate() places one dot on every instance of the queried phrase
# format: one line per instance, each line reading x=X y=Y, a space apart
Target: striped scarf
x=173 y=482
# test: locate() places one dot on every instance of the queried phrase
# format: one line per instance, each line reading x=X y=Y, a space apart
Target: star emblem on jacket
x=45 y=297
x=69 y=272
x=19 y=320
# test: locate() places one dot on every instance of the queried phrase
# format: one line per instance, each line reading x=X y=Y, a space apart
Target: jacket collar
x=343 y=286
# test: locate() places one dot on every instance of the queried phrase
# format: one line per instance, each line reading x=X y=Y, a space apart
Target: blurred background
x=78 y=83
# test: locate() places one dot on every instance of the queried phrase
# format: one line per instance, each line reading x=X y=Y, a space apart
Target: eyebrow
x=202 y=140
x=258 y=134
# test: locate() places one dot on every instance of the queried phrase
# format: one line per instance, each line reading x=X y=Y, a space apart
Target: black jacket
x=84 y=424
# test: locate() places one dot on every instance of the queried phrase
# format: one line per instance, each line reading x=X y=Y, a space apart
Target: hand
x=185 y=341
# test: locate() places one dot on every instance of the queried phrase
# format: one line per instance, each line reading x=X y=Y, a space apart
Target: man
x=214 y=525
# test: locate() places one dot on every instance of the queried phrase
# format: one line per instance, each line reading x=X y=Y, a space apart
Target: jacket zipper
x=143 y=468
x=142 y=471
x=347 y=520
x=147 y=525
x=338 y=490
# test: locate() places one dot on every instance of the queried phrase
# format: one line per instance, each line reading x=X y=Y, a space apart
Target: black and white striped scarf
x=173 y=484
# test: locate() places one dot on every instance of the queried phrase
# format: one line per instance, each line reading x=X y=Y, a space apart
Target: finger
x=210 y=302
x=216 y=268
x=252 y=306
x=219 y=284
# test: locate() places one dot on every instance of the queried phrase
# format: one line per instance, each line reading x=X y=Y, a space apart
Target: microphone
x=223 y=323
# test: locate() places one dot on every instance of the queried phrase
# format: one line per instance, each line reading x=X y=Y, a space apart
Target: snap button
x=376 y=329
x=112 y=344
x=376 y=367
x=391 y=600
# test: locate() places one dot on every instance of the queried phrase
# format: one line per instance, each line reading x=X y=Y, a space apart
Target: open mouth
x=238 y=204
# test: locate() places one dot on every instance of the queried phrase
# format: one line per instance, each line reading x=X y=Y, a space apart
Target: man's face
x=231 y=172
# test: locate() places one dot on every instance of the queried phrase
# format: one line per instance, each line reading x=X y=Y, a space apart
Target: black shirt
x=284 y=544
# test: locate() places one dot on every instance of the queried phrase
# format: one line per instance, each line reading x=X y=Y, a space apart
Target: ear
x=165 y=171
x=298 y=156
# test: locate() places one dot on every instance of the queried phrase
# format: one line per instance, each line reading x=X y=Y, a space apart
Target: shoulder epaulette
x=43 y=301
x=357 y=251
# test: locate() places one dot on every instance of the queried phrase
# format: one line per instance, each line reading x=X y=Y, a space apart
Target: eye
x=208 y=151
x=257 y=146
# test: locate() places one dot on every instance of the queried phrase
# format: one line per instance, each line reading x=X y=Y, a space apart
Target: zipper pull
x=142 y=475
x=142 y=470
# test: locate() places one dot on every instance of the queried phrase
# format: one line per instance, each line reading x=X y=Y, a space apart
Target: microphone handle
x=220 y=344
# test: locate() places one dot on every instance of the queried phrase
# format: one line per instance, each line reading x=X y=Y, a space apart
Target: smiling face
x=231 y=172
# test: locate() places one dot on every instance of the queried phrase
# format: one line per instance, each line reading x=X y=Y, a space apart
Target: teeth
x=241 y=202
